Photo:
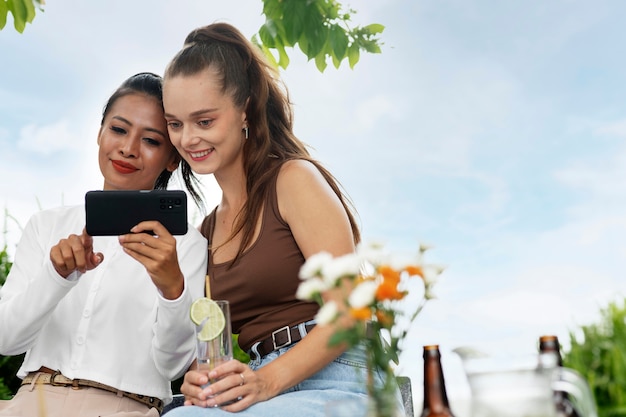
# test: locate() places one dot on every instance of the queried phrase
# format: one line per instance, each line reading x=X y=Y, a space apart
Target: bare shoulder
x=296 y=171
x=301 y=187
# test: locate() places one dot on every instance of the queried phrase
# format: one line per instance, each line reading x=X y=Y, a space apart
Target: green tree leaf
x=30 y=10
x=353 y=55
x=338 y=42
x=314 y=35
x=294 y=17
x=269 y=34
x=18 y=9
x=4 y=10
x=320 y=62
x=374 y=28
x=283 y=58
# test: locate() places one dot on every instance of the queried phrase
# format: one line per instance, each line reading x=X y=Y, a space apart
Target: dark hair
x=245 y=75
x=150 y=85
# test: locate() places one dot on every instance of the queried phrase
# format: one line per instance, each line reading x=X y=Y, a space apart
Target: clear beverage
x=212 y=353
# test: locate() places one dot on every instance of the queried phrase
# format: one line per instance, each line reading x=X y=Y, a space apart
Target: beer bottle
x=549 y=345
x=435 y=397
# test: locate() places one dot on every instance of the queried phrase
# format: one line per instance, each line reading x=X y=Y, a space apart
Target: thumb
x=97 y=258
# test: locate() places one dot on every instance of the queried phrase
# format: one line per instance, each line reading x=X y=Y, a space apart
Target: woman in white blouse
x=104 y=321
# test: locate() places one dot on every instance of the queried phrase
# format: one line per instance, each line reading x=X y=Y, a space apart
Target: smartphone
x=114 y=213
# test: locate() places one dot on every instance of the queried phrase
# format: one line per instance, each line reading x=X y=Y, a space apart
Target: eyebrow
x=195 y=113
x=149 y=129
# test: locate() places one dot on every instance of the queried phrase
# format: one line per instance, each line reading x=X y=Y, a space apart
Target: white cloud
x=48 y=139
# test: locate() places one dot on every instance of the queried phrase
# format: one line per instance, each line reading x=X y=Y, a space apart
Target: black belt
x=283 y=337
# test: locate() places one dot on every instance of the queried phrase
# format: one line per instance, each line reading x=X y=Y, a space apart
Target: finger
x=70 y=254
x=153 y=227
x=87 y=239
x=232 y=366
x=241 y=404
x=96 y=259
x=192 y=386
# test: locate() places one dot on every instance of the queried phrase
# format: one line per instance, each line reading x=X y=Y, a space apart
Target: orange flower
x=388 y=290
x=363 y=313
x=389 y=274
x=413 y=270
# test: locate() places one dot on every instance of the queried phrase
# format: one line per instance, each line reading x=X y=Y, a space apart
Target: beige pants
x=48 y=401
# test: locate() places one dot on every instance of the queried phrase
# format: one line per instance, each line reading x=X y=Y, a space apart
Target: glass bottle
x=550 y=350
x=435 y=397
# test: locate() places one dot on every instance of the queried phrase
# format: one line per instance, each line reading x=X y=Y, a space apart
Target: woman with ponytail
x=228 y=116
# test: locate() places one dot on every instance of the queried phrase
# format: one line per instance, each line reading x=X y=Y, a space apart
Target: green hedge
x=598 y=351
x=9 y=365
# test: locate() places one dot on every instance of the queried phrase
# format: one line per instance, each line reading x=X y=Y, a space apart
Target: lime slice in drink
x=207 y=313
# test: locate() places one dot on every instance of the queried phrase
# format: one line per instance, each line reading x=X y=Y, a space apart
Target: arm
x=319 y=223
x=31 y=292
x=172 y=263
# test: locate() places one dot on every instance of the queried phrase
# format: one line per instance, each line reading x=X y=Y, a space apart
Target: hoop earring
x=246 y=132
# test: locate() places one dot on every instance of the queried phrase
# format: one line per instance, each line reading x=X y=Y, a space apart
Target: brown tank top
x=261 y=286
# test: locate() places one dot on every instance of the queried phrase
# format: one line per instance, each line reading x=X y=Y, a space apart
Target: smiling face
x=134 y=147
x=203 y=123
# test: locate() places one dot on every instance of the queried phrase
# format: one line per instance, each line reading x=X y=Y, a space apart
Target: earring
x=246 y=132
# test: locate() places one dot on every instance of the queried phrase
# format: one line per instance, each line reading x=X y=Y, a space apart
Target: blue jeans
x=341 y=380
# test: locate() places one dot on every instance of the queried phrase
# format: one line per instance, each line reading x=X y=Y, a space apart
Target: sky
x=493 y=131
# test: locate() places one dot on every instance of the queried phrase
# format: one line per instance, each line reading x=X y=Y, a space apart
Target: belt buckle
x=275 y=332
x=53 y=377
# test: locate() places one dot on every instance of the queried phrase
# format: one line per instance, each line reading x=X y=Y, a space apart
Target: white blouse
x=110 y=324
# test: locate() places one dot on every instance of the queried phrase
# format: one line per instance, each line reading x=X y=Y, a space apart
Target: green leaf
x=4 y=10
x=315 y=34
x=339 y=42
x=320 y=62
x=272 y=9
x=294 y=18
x=268 y=33
x=374 y=28
x=303 y=43
x=270 y=57
x=371 y=47
x=30 y=10
x=17 y=8
x=283 y=59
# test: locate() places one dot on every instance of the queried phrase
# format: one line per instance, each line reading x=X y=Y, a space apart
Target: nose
x=129 y=148
x=188 y=138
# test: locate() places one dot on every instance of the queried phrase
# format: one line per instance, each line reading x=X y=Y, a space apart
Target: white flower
x=343 y=266
x=327 y=313
x=373 y=253
x=363 y=295
x=314 y=265
x=431 y=274
x=311 y=287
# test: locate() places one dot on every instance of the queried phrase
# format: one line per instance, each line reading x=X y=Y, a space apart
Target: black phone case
x=114 y=213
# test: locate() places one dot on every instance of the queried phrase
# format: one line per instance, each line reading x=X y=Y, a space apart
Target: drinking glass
x=218 y=350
